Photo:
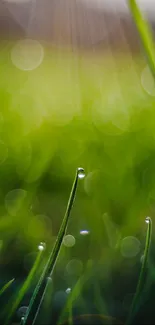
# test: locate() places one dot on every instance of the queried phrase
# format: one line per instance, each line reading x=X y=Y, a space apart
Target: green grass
x=76 y=110
x=33 y=308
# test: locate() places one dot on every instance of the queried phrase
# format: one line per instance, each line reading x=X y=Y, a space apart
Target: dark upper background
x=69 y=22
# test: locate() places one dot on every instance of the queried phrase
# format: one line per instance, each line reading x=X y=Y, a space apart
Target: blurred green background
x=78 y=110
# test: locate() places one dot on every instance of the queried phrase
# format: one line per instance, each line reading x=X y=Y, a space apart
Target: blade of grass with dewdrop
x=145 y=34
x=140 y=285
x=6 y=286
x=25 y=287
x=34 y=307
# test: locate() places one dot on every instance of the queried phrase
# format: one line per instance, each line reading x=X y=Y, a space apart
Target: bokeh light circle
x=74 y=267
x=69 y=241
x=130 y=247
x=14 y=200
x=27 y=54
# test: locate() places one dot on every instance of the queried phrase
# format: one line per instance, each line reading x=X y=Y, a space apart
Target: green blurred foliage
x=74 y=110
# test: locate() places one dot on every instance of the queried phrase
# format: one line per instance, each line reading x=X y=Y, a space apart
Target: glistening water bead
x=81 y=173
x=41 y=246
x=147 y=219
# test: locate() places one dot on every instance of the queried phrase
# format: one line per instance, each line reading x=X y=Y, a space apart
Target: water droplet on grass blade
x=81 y=173
x=22 y=311
x=68 y=290
x=147 y=219
x=41 y=246
x=22 y=320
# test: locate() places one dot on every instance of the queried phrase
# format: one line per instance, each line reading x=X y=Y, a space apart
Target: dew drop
x=68 y=290
x=81 y=173
x=84 y=232
x=41 y=246
x=22 y=320
x=148 y=219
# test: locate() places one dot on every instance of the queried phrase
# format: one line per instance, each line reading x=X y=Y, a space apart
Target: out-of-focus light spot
x=29 y=261
x=130 y=247
x=14 y=201
x=74 y=267
x=3 y=152
x=22 y=311
x=84 y=232
x=59 y=299
x=42 y=246
x=68 y=290
x=81 y=173
x=27 y=54
x=69 y=241
x=148 y=81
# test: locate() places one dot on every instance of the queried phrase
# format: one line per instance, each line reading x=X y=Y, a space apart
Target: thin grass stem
x=35 y=305
x=6 y=286
x=25 y=286
x=140 y=285
x=145 y=34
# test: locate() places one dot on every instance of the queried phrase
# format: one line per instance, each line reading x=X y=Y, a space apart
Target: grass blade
x=140 y=285
x=145 y=34
x=25 y=287
x=42 y=285
x=6 y=286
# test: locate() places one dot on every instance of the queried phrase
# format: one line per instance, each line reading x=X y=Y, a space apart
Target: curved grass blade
x=140 y=285
x=145 y=34
x=25 y=286
x=36 y=302
x=6 y=286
